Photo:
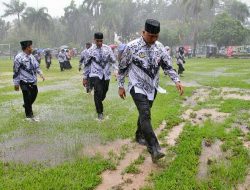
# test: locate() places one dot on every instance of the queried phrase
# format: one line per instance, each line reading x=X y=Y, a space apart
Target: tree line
x=222 y=22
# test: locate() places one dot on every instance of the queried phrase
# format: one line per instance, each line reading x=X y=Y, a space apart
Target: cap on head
x=98 y=36
x=152 y=26
x=25 y=44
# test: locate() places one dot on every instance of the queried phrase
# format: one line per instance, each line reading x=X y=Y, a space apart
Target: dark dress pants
x=144 y=127
x=100 y=90
x=29 y=91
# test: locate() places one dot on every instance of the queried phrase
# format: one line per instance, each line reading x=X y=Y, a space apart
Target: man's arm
x=16 y=74
x=126 y=60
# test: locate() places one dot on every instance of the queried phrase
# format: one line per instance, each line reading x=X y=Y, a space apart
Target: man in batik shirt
x=82 y=62
x=180 y=60
x=97 y=65
x=25 y=69
x=61 y=57
x=141 y=61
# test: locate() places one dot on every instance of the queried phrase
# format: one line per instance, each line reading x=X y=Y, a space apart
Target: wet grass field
x=70 y=149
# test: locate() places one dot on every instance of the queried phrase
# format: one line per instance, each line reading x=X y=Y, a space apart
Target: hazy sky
x=55 y=7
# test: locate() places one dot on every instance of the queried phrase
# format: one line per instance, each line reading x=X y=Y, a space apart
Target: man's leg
x=143 y=106
x=98 y=94
x=33 y=95
x=105 y=88
x=27 y=100
x=139 y=137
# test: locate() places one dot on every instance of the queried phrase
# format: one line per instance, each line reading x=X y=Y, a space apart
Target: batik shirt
x=141 y=63
x=61 y=57
x=25 y=69
x=82 y=58
x=98 y=62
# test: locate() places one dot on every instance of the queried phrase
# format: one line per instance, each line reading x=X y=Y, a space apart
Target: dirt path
x=117 y=180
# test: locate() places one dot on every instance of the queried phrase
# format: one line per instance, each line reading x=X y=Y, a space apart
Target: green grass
x=133 y=168
x=80 y=174
x=68 y=117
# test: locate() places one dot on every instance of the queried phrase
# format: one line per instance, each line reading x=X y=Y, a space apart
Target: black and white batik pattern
x=142 y=63
x=98 y=62
x=61 y=57
x=25 y=68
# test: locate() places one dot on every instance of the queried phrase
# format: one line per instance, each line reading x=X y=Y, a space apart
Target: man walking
x=141 y=61
x=82 y=62
x=97 y=65
x=25 y=69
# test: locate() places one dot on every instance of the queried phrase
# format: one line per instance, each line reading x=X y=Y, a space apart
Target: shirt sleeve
x=16 y=70
x=87 y=64
x=167 y=67
x=126 y=60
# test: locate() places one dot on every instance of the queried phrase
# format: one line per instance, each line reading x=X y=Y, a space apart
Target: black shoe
x=100 y=116
x=155 y=154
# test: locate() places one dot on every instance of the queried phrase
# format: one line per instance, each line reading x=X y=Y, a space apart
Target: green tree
x=15 y=7
x=227 y=31
x=238 y=10
x=193 y=11
x=39 y=20
x=4 y=27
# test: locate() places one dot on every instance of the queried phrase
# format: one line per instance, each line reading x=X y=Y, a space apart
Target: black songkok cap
x=98 y=36
x=26 y=43
x=152 y=26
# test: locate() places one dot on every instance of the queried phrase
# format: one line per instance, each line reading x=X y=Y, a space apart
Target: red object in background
x=186 y=49
x=113 y=46
x=229 y=51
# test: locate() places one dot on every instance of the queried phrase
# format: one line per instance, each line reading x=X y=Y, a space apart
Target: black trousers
x=144 y=127
x=29 y=91
x=100 y=90
x=48 y=64
x=61 y=65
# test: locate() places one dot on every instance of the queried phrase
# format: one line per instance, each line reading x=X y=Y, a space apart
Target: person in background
x=89 y=86
x=61 y=57
x=97 y=66
x=25 y=69
x=180 y=60
x=48 y=58
x=141 y=60
x=67 y=64
x=37 y=55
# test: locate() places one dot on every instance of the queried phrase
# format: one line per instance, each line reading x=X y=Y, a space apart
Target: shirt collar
x=143 y=43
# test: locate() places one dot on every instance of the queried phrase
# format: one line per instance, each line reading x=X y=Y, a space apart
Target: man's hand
x=180 y=88
x=84 y=82
x=16 y=87
x=43 y=78
x=122 y=93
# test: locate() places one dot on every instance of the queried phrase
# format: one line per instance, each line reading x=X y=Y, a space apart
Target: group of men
x=64 y=59
x=140 y=61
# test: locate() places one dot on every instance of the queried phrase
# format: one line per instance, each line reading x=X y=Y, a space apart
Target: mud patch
x=200 y=116
x=116 y=180
x=174 y=134
x=104 y=149
x=209 y=153
x=199 y=95
x=246 y=184
x=235 y=93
